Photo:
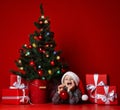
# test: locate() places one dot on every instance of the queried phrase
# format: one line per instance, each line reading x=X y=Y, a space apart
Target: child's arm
x=75 y=96
x=56 y=98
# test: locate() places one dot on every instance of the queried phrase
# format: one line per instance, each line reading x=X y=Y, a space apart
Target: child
x=69 y=91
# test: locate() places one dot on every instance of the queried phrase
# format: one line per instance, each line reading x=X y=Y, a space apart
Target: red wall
x=87 y=31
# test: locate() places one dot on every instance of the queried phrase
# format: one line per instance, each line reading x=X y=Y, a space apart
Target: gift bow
x=92 y=87
x=17 y=84
x=108 y=96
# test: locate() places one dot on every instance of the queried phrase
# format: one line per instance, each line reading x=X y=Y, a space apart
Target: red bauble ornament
x=47 y=45
x=32 y=63
x=25 y=45
x=30 y=46
x=64 y=95
x=40 y=37
x=40 y=22
x=52 y=63
x=40 y=50
x=44 y=51
x=40 y=72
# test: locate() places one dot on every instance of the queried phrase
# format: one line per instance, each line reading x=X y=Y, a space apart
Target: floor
x=50 y=106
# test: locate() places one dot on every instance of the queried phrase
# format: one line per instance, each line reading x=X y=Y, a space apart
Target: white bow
x=108 y=96
x=17 y=84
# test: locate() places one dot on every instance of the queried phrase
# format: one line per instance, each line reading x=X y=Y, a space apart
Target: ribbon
x=11 y=97
x=18 y=84
x=92 y=87
x=108 y=96
x=24 y=99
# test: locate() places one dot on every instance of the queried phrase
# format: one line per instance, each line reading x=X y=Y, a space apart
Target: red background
x=87 y=32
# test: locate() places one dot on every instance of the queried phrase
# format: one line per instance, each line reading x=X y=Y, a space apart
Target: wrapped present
x=92 y=81
x=106 y=95
x=15 y=96
x=16 y=82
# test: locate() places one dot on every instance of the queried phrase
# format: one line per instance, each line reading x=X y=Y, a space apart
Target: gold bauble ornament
x=47 y=55
x=50 y=72
x=21 y=68
x=19 y=61
x=34 y=45
x=46 y=21
x=51 y=45
x=35 y=37
x=42 y=16
x=58 y=57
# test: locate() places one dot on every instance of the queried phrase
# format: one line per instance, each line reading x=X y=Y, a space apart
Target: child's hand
x=71 y=86
x=60 y=88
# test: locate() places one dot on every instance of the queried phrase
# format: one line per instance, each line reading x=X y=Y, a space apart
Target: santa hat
x=73 y=75
x=78 y=83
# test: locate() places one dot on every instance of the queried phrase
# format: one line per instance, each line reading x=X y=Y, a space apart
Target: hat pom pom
x=84 y=97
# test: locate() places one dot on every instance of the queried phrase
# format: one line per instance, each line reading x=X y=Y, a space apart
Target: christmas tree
x=39 y=59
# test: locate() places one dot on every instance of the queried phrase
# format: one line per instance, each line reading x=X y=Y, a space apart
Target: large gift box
x=92 y=82
x=15 y=96
x=106 y=95
x=16 y=82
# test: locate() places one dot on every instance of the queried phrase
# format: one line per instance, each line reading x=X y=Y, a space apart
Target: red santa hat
x=78 y=83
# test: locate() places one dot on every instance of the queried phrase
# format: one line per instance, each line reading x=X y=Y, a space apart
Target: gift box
x=92 y=82
x=106 y=95
x=15 y=96
x=16 y=82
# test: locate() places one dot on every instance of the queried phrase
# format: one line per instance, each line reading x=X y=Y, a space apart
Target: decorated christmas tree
x=39 y=59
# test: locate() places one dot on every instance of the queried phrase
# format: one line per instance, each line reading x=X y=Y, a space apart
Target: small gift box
x=16 y=82
x=15 y=96
x=92 y=82
x=106 y=95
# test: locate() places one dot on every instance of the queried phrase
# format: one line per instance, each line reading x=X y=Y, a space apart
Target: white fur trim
x=73 y=75
x=84 y=97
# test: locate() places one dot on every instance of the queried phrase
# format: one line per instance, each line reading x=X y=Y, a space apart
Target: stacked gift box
x=99 y=91
x=17 y=93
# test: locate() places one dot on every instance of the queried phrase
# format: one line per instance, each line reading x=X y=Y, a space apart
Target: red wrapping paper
x=106 y=95
x=92 y=82
x=15 y=96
